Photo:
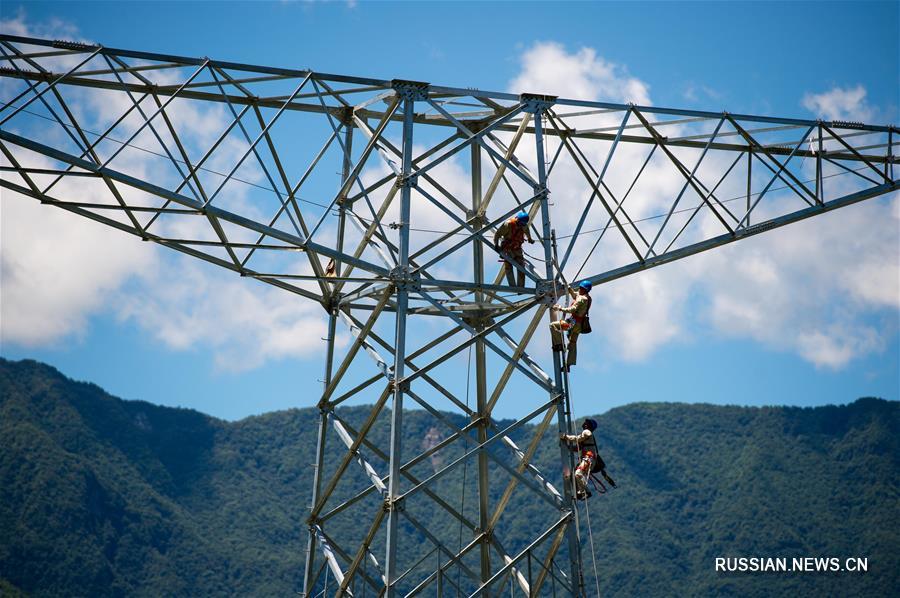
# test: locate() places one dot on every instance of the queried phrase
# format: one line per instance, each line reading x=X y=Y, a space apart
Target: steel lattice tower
x=643 y=186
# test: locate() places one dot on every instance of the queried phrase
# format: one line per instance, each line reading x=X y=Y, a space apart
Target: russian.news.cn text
x=791 y=565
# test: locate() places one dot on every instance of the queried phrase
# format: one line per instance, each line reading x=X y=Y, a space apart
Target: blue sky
x=757 y=57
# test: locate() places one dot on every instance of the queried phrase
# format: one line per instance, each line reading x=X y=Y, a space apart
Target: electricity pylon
x=222 y=161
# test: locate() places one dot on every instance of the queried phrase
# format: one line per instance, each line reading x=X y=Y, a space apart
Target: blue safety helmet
x=586 y=285
x=522 y=217
x=590 y=424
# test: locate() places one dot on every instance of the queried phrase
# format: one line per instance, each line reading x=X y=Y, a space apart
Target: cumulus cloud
x=813 y=287
x=840 y=103
x=241 y=323
x=58 y=268
x=547 y=67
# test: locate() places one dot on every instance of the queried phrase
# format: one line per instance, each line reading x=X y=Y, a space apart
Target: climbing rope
x=565 y=376
x=587 y=509
x=462 y=501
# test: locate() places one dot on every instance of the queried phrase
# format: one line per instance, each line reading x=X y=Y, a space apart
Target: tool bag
x=586 y=325
x=586 y=320
x=598 y=465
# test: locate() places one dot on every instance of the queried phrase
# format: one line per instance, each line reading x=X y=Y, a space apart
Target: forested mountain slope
x=100 y=496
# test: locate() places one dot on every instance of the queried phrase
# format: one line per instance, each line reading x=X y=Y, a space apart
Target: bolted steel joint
x=847 y=124
x=332 y=303
x=399 y=385
x=544 y=290
x=478 y=319
x=345 y=115
x=415 y=91
x=478 y=420
x=70 y=45
x=403 y=275
x=474 y=219
x=536 y=103
x=476 y=125
x=409 y=180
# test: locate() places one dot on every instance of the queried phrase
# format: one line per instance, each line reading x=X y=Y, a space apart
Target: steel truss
x=111 y=135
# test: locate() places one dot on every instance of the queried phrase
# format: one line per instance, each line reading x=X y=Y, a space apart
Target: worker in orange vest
x=509 y=239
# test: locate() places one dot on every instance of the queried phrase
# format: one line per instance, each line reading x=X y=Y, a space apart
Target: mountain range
x=101 y=496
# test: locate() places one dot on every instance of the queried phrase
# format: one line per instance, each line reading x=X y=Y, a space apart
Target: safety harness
x=598 y=466
x=579 y=319
x=590 y=450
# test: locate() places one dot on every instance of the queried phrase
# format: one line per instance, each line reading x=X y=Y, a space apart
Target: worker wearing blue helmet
x=509 y=239
x=576 y=323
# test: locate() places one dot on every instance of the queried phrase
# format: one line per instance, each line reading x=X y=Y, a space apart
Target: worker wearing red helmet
x=574 y=324
x=509 y=239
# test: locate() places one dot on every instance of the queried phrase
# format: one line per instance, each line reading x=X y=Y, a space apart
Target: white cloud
x=243 y=323
x=838 y=345
x=840 y=103
x=811 y=288
x=696 y=93
x=51 y=28
x=58 y=268
x=642 y=313
x=548 y=68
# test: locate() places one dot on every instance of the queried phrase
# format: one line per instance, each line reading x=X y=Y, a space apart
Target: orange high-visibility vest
x=516 y=237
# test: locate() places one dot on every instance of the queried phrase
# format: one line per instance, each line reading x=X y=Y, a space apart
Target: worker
x=575 y=324
x=586 y=444
x=508 y=239
x=331 y=269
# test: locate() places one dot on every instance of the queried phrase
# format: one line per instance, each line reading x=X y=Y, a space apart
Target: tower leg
x=563 y=407
x=399 y=354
